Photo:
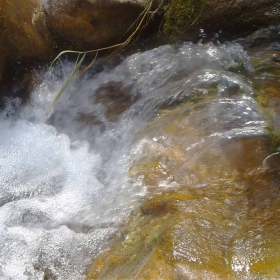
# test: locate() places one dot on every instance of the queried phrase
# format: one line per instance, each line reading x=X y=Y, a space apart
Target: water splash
x=64 y=188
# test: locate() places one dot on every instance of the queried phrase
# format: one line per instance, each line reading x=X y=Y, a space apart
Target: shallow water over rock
x=175 y=128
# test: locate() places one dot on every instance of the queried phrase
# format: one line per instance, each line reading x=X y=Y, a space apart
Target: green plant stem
x=118 y=47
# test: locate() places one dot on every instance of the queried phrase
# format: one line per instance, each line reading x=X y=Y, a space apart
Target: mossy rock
x=182 y=14
x=226 y=18
x=189 y=234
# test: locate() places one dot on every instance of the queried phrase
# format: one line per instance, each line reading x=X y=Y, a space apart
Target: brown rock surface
x=33 y=32
x=25 y=36
x=87 y=25
x=221 y=231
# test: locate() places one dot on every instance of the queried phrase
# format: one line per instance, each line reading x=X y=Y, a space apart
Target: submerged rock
x=116 y=98
x=226 y=230
x=212 y=207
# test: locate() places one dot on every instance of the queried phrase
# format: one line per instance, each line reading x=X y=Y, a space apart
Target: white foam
x=64 y=188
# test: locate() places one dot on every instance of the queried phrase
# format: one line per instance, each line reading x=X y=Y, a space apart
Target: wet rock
x=25 y=38
x=106 y=105
x=208 y=135
x=24 y=31
x=35 y=32
x=212 y=210
x=266 y=75
x=225 y=230
x=265 y=38
x=116 y=98
x=219 y=19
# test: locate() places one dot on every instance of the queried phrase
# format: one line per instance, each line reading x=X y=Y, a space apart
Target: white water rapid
x=64 y=185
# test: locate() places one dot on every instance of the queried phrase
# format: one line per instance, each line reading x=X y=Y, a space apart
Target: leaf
x=86 y=68
x=61 y=53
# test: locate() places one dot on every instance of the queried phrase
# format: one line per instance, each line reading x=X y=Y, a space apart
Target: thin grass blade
x=69 y=79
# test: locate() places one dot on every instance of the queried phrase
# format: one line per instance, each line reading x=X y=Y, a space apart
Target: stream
x=71 y=175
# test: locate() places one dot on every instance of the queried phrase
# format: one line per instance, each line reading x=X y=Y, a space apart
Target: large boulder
x=24 y=30
x=87 y=25
x=25 y=36
x=37 y=31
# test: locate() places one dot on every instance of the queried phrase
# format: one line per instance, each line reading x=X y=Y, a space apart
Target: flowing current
x=64 y=172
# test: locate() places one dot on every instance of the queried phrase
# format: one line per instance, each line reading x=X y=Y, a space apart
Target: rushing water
x=64 y=184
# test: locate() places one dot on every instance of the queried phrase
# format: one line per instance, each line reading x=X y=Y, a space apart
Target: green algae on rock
x=185 y=18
